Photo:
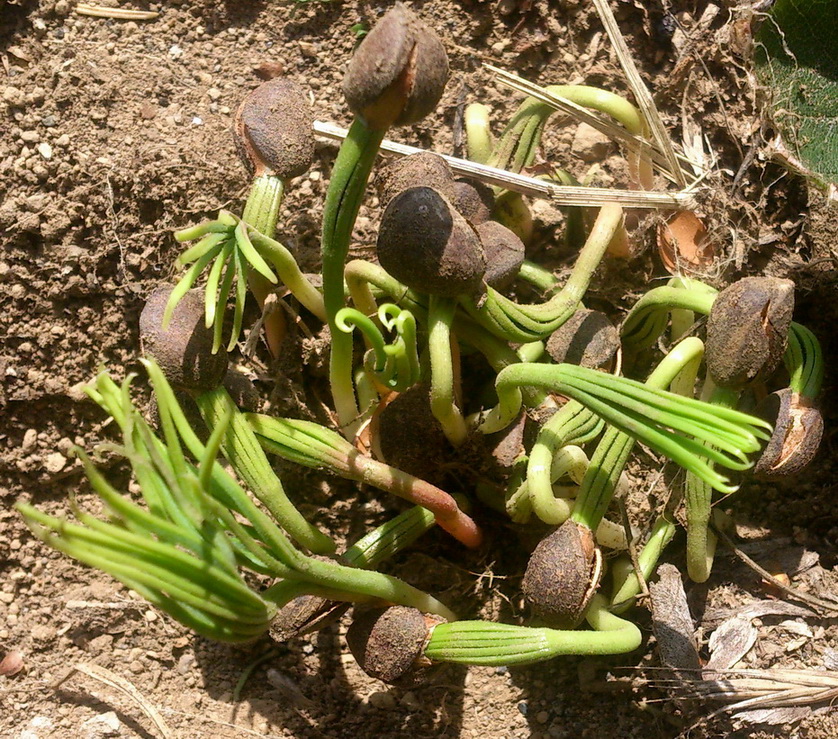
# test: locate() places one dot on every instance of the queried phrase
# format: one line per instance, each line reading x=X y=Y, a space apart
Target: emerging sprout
x=397 y=76
x=184 y=349
x=387 y=642
x=398 y=73
x=273 y=130
x=563 y=575
x=504 y=253
x=798 y=428
x=588 y=339
x=747 y=331
x=426 y=244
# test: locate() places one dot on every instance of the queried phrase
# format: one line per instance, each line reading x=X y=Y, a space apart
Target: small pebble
x=43 y=633
x=55 y=462
x=184 y=664
x=589 y=144
x=14 y=96
x=523 y=707
x=383 y=700
x=30 y=439
x=410 y=701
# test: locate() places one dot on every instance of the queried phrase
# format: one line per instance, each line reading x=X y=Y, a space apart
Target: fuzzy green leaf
x=797 y=57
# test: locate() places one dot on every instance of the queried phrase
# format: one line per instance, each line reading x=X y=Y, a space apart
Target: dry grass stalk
x=112 y=680
x=124 y=14
x=603 y=125
x=641 y=93
x=560 y=194
x=744 y=690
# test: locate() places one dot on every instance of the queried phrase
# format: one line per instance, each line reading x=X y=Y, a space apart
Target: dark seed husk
x=409 y=436
x=273 y=129
x=798 y=429
x=426 y=244
x=425 y=169
x=303 y=615
x=747 y=331
x=562 y=575
x=504 y=253
x=588 y=339
x=184 y=350
x=473 y=200
x=241 y=389
x=386 y=642
x=398 y=73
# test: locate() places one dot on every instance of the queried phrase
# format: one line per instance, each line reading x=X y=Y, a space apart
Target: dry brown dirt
x=113 y=133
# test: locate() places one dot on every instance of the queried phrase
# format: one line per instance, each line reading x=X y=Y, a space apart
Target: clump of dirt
x=117 y=132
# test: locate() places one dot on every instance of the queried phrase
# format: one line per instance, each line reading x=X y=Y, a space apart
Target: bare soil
x=115 y=132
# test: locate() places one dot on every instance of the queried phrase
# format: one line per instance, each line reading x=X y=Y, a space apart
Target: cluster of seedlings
x=429 y=356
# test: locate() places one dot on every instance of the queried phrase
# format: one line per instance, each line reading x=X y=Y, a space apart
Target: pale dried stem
x=123 y=14
x=641 y=93
x=747 y=689
x=111 y=679
x=603 y=125
x=559 y=194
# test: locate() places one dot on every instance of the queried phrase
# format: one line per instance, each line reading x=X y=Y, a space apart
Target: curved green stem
x=628 y=589
x=289 y=272
x=346 y=190
x=493 y=644
x=374 y=548
x=241 y=448
x=648 y=318
x=520 y=140
x=698 y=502
x=573 y=424
x=537 y=276
x=315 y=446
x=443 y=403
x=651 y=416
x=522 y=323
x=613 y=450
